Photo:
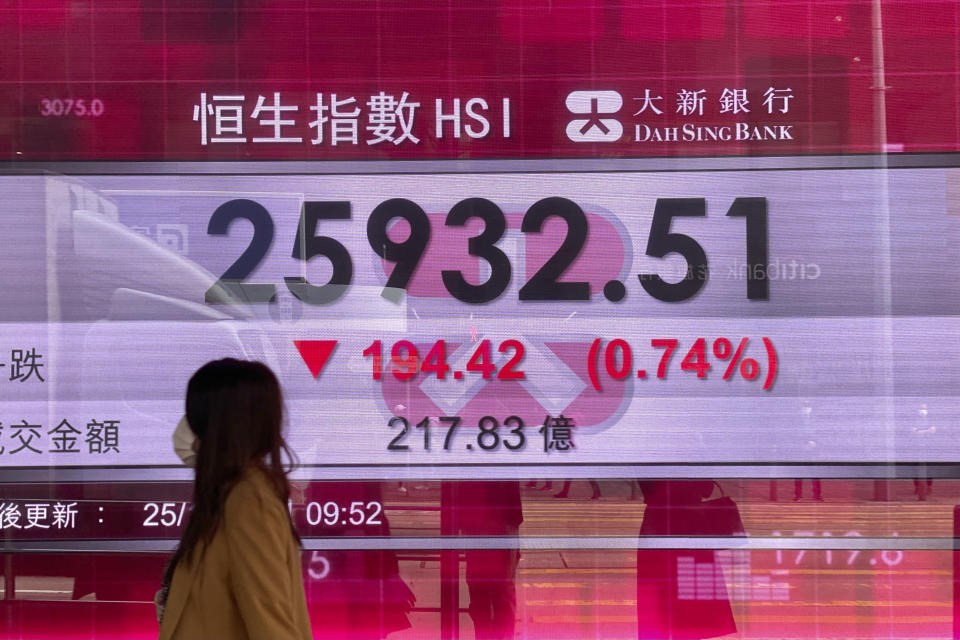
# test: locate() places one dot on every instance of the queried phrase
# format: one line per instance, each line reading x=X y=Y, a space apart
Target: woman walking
x=236 y=573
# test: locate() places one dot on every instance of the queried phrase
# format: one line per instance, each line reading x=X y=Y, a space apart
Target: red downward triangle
x=315 y=353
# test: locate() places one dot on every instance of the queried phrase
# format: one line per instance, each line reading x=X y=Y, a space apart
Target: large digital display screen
x=444 y=323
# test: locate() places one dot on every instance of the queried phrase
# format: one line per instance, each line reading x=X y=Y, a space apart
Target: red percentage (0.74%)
x=618 y=359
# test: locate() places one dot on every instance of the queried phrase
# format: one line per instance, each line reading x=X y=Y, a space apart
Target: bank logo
x=564 y=386
x=594 y=105
x=557 y=381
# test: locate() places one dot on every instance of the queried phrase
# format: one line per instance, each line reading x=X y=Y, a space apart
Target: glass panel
x=829 y=558
x=628 y=319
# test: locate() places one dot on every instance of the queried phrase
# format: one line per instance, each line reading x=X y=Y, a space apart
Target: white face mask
x=183 y=442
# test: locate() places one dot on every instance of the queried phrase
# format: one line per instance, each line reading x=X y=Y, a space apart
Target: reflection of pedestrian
x=675 y=603
x=490 y=509
x=798 y=489
x=361 y=594
x=547 y=485
x=565 y=490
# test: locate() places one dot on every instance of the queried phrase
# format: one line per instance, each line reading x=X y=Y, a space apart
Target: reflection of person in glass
x=674 y=601
x=490 y=509
x=565 y=490
x=355 y=593
x=236 y=572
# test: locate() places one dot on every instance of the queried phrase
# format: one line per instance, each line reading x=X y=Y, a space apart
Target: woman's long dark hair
x=235 y=408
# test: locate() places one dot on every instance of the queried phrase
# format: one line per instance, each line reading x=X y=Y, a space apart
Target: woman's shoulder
x=253 y=489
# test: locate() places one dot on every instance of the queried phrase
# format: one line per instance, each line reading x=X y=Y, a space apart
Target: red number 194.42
x=407 y=363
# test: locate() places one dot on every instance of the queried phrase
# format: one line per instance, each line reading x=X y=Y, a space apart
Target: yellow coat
x=248 y=584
